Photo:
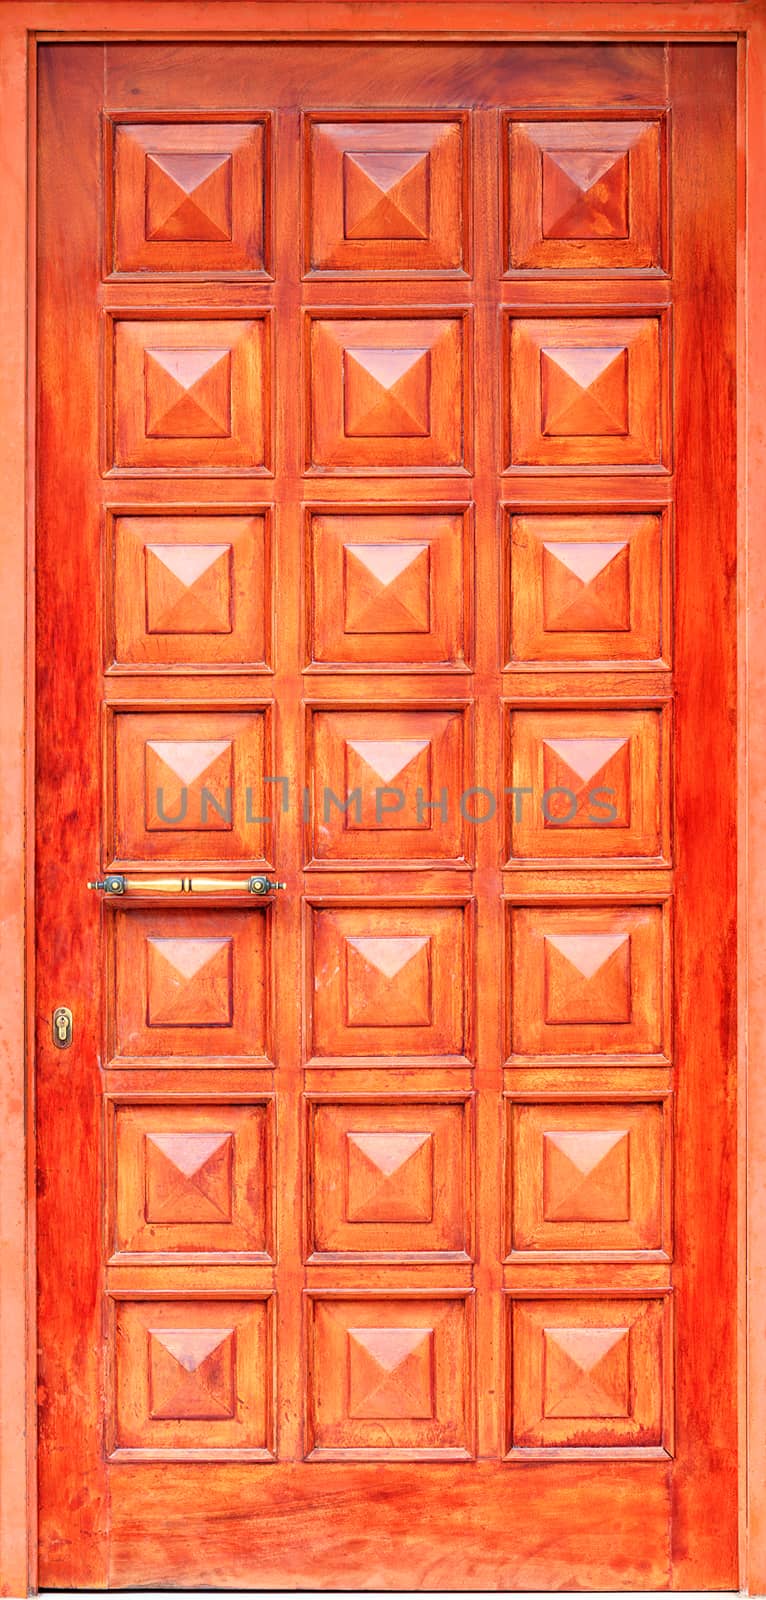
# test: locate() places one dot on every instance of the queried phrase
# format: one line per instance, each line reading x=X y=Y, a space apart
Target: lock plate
x=62 y=1027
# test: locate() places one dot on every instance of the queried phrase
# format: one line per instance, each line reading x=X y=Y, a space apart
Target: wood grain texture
x=18 y=1488
x=72 y=1474
x=705 y=1025
x=387 y=1317
x=752 y=1117
x=466 y=1531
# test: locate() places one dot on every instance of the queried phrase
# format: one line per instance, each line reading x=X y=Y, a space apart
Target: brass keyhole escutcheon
x=62 y=1027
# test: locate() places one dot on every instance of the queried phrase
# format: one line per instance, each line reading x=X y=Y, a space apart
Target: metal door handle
x=116 y=883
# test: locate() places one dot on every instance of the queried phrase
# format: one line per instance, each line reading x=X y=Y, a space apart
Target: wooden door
x=385 y=548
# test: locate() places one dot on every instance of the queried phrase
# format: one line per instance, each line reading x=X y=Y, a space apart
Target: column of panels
x=189 y=1041
x=389 y=636
x=587 y=707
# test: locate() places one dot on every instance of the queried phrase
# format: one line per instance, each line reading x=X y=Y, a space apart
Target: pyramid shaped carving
x=189 y=983
x=586 y=1176
x=389 y=1177
x=585 y=194
x=387 y=588
x=189 y=783
x=585 y=758
x=388 y=758
x=191 y=1373
x=587 y=978
x=584 y=391
x=583 y=766
x=386 y=393
x=586 y=1372
x=388 y=981
x=188 y=393
x=586 y=586
x=386 y=194
x=587 y=952
x=189 y=760
x=389 y=954
x=188 y=588
x=188 y=195
x=390 y=1372
x=188 y=1177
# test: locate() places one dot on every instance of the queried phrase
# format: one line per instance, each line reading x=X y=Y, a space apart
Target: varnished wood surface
x=466 y=1532
x=454 y=1028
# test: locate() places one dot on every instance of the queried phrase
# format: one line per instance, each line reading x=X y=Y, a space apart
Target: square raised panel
x=589 y=784
x=585 y=194
x=390 y=589
x=589 y=981
x=589 y=1178
x=386 y=786
x=587 y=587
x=591 y=1373
x=191 y=396
x=190 y=591
x=188 y=197
x=389 y=981
x=188 y=786
x=387 y=394
x=389 y=1178
x=585 y=392
x=193 y=1378
x=191 y=1180
x=386 y=195
x=390 y=1377
x=190 y=985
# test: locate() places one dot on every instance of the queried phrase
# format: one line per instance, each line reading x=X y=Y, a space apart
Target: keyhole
x=62 y=1027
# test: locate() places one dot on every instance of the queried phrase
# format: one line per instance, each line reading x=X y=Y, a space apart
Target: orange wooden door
x=386 y=504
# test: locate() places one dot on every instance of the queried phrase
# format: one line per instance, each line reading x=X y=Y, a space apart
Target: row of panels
x=387 y=589
x=388 y=1179
x=391 y=983
x=390 y=1377
x=387 y=392
x=391 y=786
x=385 y=194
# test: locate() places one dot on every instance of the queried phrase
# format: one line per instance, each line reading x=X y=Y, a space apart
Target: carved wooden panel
x=193 y=1378
x=390 y=1377
x=388 y=393
x=390 y=589
x=438 y=1070
x=191 y=395
x=590 y=1373
x=585 y=391
x=189 y=591
x=587 y=587
x=585 y=194
x=389 y=981
x=589 y=981
x=190 y=986
x=386 y=196
x=191 y=1180
x=188 y=786
x=386 y=785
x=188 y=197
x=389 y=1179
x=588 y=1177
x=598 y=782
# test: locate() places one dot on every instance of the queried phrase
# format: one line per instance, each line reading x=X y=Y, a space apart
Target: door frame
x=24 y=24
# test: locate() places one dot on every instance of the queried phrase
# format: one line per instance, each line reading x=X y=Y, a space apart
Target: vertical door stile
x=488 y=976
x=288 y=717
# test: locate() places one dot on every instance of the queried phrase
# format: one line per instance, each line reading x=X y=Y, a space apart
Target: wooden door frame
x=23 y=24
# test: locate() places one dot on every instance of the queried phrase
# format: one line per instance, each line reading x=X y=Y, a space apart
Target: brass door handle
x=116 y=883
